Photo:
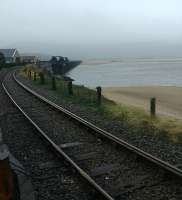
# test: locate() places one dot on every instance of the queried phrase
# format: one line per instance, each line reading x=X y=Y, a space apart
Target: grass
x=135 y=118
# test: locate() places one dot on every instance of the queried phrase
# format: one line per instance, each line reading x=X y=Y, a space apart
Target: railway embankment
x=160 y=137
x=116 y=167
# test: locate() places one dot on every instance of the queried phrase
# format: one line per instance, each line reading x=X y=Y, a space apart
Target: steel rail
x=58 y=150
x=163 y=164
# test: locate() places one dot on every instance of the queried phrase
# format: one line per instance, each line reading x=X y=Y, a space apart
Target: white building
x=11 y=55
x=29 y=59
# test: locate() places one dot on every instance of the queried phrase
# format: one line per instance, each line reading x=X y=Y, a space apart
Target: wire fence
x=64 y=86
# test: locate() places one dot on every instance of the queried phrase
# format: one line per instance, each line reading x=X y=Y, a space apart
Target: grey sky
x=93 y=28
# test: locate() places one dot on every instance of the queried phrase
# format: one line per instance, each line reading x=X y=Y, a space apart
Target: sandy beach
x=169 y=98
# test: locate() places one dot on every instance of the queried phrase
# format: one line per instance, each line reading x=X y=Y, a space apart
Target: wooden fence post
x=153 y=107
x=99 y=95
x=35 y=76
x=78 y=92
x=42 y=78
x=29 y=74
x=54 y=83
x=70 y=88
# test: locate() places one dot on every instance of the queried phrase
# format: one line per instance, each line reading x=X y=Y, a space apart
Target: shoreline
x=169 y=98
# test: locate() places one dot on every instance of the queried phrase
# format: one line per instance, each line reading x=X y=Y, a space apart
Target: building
x=11 y=55
x=29 y=59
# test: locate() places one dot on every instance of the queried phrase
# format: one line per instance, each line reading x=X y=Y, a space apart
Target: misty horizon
x=93 y=29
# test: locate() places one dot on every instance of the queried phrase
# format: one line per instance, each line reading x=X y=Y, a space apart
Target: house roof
x=8 y=52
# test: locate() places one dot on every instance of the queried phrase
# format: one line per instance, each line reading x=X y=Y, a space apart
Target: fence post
x=29 y=74
x=70 y=88
x=78 y=92
x=35 y=76
x=153 y=107
x=99 y=95
x=42 y=79
x=53 y=83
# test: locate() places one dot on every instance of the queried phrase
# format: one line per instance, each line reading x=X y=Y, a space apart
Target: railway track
x=116 y=169
x=51 y=178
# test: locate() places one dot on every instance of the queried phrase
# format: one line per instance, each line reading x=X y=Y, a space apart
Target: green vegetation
x=81 y=95
x=135 y=118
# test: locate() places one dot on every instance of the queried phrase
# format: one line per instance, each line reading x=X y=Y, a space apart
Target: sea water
x=138 y=72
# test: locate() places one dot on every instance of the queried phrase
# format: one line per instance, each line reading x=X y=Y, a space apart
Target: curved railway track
x=51 y=178
x=116 y=169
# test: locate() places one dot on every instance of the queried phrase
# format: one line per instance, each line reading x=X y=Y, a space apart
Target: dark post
x=54 y=83
x=29 y=74
x=99 y=94
x=70 y=88
x=153 y=107
x=42 y=79
x=35 y=76
x=78 y=92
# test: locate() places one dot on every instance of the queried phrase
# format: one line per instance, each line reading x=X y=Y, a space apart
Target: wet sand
x=169 y=98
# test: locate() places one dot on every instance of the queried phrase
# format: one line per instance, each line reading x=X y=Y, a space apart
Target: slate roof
x=8 y=52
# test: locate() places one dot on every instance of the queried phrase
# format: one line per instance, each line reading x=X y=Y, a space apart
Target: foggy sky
x=93 y=28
